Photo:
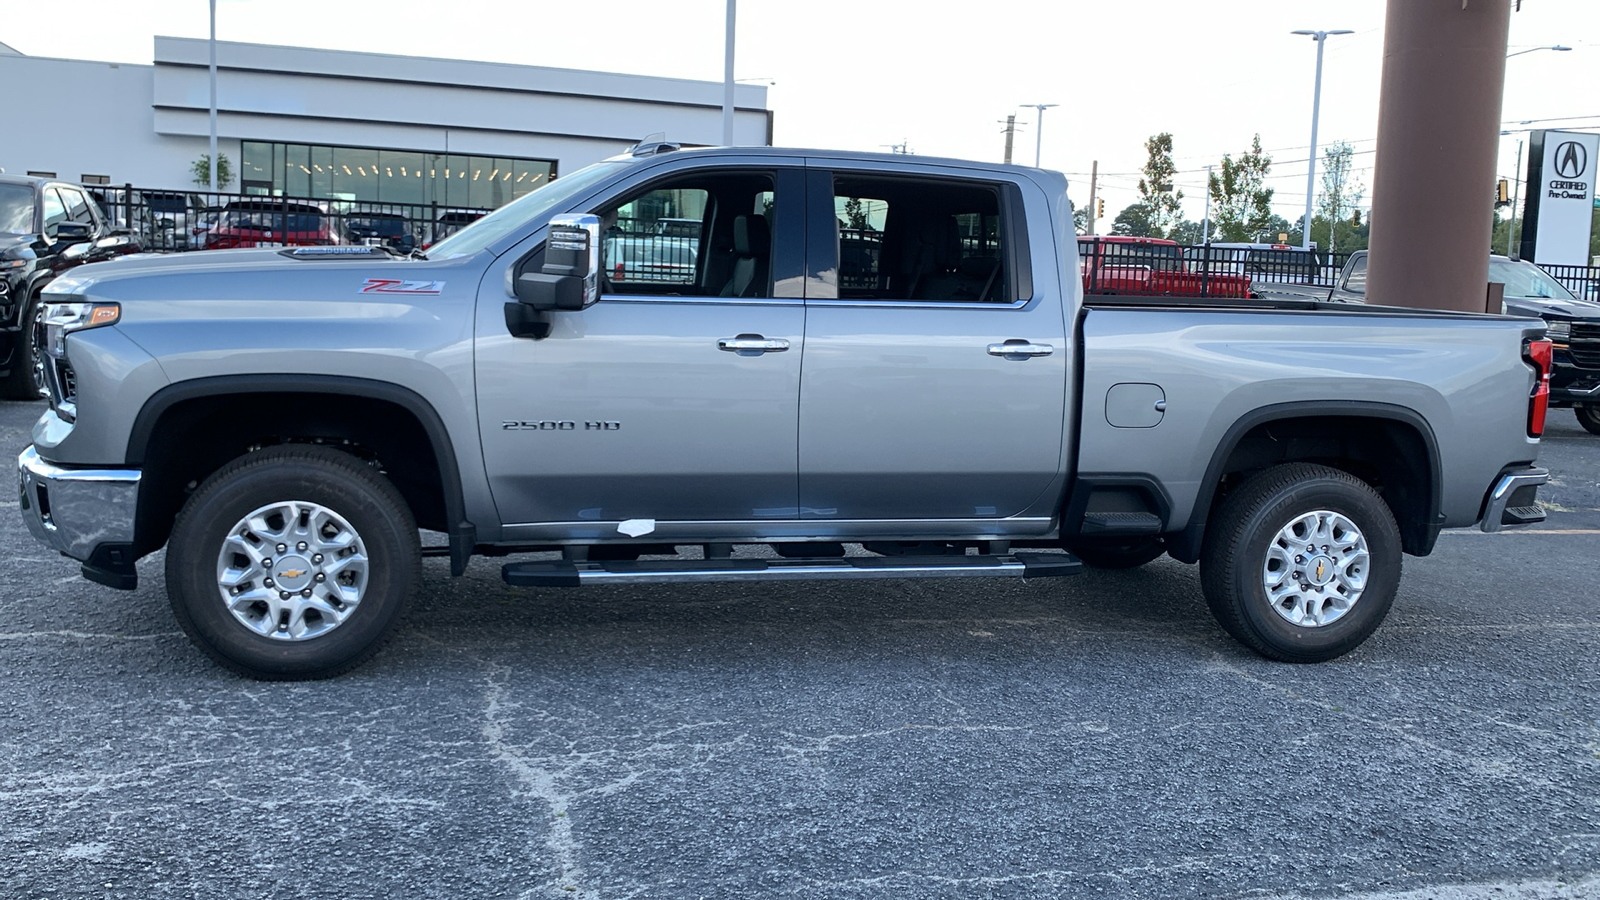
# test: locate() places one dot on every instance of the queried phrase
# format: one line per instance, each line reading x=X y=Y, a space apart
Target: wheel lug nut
x=283 y=548
x=267 y=582
x=321 y=578
x=266 y=563
x=306 y=592
x=300 y=546
x=316 y=558
x=283 y=595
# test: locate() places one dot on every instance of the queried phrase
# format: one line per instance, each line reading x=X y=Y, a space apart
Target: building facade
x=302 y=122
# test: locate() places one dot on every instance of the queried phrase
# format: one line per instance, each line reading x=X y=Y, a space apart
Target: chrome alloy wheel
x=292 y=570
x=1316 y=569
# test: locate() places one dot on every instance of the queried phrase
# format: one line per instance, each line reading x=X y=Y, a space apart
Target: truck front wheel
x=1301 y=562
x=292 y=562
x=1588 y=417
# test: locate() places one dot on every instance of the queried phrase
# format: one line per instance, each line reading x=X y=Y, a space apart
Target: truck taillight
x=1538 y=354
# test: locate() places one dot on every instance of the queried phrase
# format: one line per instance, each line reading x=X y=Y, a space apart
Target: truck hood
x=263 y=274
x=1557 y=307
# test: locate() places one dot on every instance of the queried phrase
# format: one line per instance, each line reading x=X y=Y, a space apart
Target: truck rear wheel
x=1301 y=563
x=1588 y=417
x=293 y=562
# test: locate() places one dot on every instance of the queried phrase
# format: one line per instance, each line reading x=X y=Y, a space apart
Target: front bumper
x=1514 y=499
x=86 y=514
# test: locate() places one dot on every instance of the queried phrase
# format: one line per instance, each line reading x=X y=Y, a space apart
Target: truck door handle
x=1017 y=348
x=752 y=345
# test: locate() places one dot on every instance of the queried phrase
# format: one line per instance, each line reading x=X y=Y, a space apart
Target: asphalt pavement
x=1096 y=736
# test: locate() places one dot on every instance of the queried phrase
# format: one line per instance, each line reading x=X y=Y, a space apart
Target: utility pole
x=213 y=68
x=1205 y=218
x=1011 y=130
x=1094 y=182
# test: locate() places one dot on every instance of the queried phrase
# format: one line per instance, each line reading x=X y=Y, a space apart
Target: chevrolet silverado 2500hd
x=284 y=422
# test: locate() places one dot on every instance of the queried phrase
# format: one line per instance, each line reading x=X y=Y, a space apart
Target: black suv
x=1574 y=326
x=46 y=227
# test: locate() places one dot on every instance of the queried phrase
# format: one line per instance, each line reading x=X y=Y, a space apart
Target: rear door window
x=915 y=239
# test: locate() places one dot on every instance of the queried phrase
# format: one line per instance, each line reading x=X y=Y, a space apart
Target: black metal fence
x=1583 y=281
x=168 y=220
x=1113 y=265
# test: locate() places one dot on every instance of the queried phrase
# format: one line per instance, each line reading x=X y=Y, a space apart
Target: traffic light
x=1502 y=194
x=1099 y=207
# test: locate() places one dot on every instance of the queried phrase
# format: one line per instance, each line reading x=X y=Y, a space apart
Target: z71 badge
x=400 y=286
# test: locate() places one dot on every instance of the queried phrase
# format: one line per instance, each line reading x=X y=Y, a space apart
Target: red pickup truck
x=1140 y=265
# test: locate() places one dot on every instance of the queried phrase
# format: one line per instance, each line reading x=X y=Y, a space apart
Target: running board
x=682 y=571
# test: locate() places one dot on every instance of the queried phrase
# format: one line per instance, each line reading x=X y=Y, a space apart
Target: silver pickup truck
x=948 y=404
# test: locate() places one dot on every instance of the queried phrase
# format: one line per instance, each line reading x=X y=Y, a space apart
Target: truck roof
x=647 y=153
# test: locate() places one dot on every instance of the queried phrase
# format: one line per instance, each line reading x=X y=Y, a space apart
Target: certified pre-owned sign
x=1561 y=196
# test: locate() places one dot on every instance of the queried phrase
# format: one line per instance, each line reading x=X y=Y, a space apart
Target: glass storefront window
x=367 y=174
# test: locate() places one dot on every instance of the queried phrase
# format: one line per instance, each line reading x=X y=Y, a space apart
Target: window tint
x=77 y=206
x=55 y=212
x=707 y=235
x=909 y=239
x=1357 y=282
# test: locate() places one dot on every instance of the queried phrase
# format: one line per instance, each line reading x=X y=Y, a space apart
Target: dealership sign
x=1561 y=197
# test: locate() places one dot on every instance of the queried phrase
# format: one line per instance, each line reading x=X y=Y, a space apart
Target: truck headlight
x=1558 y=331
x=62 y=319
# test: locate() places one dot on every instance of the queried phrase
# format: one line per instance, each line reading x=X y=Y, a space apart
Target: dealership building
x=344 y=125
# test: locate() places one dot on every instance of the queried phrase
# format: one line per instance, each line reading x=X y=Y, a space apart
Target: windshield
x=16 y=209
x=1526 y=281
x=523 y=210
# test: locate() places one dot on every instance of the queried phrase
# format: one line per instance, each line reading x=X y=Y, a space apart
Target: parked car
x=953 y=421
x=667 y=252
x=269 y=223
x=46 y=228
x=452 y=221
x=1151 y=266
x=1263 y=263
x=379 y=229
x=1573 y=323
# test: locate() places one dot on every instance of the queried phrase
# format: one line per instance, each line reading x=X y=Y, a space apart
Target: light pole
x=213 y=165
x=1038 y=129
x=727 y=80
x=1316 y=108
x=1533 y=49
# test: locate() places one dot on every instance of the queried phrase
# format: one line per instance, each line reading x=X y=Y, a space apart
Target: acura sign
x=1561 y=197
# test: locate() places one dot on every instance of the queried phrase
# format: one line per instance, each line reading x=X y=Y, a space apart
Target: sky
x=938 y=77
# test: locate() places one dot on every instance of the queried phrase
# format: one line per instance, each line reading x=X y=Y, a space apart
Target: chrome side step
x=560 y=573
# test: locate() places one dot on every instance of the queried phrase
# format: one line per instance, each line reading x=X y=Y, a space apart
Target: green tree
x=1080 y=219
x=1156 y=191
x=1133 y=221
x=1186 y=232
x=855 y=215
x=1342 y=191
x=201 y=170
x=1240 y=199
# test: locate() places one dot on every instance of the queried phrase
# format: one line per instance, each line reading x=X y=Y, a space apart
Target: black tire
x=1116 y=553
x=348 y=487
x=1588 y=417
x=1234 y=557
x=23 y=382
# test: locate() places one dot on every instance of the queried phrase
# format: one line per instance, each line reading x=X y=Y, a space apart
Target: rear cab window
x=907 y=238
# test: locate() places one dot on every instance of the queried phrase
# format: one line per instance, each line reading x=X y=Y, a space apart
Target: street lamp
x=213 y=69
x=727 y=80
x=1316 y=108
x=1038 y=128
x=1533 y=49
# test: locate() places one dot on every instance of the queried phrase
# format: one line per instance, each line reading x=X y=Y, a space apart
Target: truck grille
x=1585 y=345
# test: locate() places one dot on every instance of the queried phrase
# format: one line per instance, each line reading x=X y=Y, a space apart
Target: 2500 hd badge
x=564 y=425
